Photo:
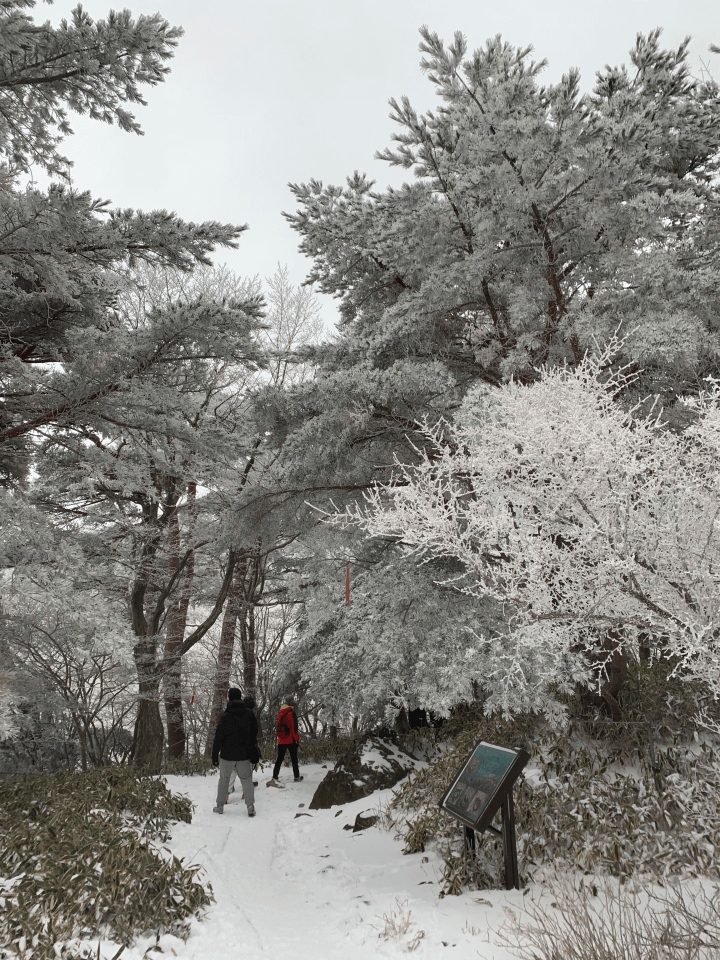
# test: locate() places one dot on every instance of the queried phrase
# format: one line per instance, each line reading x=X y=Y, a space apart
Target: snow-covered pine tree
x=73 y=373
x=539 y=221
x=59 y=247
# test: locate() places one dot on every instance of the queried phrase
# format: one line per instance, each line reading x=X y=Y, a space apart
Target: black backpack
x=283 y=725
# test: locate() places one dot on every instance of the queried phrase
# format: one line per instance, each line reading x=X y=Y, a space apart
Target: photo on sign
x=479 y=780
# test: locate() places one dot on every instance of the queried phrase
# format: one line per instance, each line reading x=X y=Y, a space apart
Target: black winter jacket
x=236 y=733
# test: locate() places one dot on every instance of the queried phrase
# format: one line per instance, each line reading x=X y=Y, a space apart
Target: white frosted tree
x=294 y=322
x=594 y=529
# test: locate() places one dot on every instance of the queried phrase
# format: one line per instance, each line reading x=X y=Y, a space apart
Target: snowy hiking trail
x=303 y=887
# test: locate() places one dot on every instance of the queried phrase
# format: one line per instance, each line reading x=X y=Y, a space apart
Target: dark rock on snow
x=361 y=823
x=376 y=765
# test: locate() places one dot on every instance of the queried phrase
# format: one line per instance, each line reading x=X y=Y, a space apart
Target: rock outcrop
x=376 y=765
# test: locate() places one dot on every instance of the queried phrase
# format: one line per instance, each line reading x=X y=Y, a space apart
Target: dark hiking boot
x=218 y=808
x=251 y=809
x=298 y=779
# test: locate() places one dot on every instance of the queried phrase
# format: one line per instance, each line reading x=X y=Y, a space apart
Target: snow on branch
x=583 y=520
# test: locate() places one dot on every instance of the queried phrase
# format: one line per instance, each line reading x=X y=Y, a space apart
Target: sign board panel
x=477 y=791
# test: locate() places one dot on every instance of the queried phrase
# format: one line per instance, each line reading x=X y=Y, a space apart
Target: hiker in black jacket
x=235 y=747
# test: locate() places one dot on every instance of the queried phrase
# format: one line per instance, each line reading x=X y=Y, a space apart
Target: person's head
x=249 y=702
x=234 y=694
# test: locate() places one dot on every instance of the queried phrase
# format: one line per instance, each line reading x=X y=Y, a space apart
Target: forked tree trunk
x=149 y=733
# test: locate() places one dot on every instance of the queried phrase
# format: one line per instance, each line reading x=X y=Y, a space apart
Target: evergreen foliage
x=540 y=220
x=90 y=67
x=595 y=806
x=80 y=857
x=61 y=346
x=541 y=226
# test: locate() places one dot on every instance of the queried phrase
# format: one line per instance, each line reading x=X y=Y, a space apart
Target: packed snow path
x=304 y=887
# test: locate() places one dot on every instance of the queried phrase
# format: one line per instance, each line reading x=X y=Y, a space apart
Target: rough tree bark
x=247 y=590
x=252 y=590
x=175 y=623
x=225 y=653
x=149 y=734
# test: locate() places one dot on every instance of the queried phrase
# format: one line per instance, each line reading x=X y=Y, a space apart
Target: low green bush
x=597 y=806
x=80 y=857
x=197 y=764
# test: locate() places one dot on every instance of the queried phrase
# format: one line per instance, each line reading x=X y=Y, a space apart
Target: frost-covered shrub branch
x=593 y=528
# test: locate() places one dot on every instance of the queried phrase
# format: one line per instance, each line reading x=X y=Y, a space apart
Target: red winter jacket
x=288 y=714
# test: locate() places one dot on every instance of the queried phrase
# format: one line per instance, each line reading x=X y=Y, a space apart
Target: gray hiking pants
x=243 y=768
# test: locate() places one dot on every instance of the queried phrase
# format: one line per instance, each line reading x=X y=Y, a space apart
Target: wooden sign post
x=484 y=785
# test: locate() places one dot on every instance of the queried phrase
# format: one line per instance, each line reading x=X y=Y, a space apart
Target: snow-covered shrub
x=593 y=529
x=595 y=817
x=591 y=805
x=607 y=921
x=80 y=857
x=197 y=764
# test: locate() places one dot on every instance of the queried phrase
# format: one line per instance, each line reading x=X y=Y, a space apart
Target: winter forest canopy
x=511 y=441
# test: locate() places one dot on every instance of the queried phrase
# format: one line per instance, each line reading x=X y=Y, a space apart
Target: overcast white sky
x=263 y=92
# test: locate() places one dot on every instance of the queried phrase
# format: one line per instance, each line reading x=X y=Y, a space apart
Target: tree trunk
x=249 y=652
x=612 y=654
x=175 y=623
x=247 y=636
x=172 y=681
x=252 y=590
x=148 y=740
x=402 y=724
x=225 y=655
x=149 y=734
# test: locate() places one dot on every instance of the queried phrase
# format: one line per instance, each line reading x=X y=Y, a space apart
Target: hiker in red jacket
x=288 y=738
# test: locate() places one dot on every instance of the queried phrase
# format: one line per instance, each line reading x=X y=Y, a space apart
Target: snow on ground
x=303 y=887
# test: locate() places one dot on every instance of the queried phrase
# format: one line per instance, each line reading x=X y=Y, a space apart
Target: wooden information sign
x=483 y=786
